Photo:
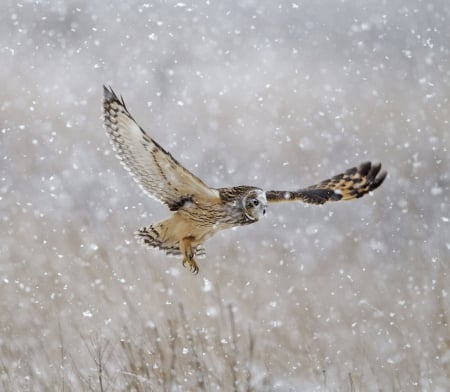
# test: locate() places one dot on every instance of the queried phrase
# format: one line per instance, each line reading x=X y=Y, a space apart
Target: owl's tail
x=155 y=236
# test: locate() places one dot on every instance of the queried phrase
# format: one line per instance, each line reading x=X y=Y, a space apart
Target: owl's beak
x=264 y=211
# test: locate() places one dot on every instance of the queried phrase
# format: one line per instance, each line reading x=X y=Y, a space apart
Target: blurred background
x=277 y=94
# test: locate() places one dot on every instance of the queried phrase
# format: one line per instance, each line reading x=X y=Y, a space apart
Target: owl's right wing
x=351 y=184
x=154 y=169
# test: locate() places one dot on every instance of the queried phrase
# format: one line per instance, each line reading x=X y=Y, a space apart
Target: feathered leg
x=188 y=253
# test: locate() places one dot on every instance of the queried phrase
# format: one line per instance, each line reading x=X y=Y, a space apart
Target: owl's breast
x=215 y=216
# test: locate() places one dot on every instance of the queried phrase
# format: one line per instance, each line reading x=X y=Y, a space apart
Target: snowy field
x=350 y=296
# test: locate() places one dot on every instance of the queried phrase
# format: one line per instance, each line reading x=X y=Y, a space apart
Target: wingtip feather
x=379 y=178
x=108 y=93
x=110 y=96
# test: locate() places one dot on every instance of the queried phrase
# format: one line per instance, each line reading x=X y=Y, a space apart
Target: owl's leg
x=188 y=252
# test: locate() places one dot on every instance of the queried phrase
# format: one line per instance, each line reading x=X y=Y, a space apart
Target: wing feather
x=352 y=184
x=157 y=172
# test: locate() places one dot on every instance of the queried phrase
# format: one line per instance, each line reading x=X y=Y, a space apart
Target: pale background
x=278 y=94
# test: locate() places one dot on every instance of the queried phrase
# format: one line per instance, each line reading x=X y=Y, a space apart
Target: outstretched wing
x=352 y=184
x=156 y=171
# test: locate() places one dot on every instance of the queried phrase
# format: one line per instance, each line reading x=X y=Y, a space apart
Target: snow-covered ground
x=278 y=94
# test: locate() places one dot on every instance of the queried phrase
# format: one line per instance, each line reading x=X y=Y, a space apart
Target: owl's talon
x=193 y=267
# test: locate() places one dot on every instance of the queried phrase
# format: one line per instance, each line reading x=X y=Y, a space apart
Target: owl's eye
x=255 y=203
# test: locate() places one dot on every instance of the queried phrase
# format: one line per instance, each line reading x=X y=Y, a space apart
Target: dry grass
x=103 y=326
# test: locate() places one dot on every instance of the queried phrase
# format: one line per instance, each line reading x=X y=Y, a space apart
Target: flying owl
x=200 y=211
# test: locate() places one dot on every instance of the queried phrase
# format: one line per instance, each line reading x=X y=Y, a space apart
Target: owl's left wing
x=157 y=172
x=351 y=184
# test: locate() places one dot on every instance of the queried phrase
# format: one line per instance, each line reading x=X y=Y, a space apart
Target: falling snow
x=273 y=94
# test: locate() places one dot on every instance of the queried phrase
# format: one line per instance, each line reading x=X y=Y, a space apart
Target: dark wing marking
x=157 y=172
x=351 y=184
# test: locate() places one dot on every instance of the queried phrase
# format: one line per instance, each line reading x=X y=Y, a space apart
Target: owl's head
x=255 y=204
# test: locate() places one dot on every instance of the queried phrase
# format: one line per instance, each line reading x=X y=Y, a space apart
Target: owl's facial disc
x=255 y=204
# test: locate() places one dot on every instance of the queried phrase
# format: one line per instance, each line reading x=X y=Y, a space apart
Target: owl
x=200 y=211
